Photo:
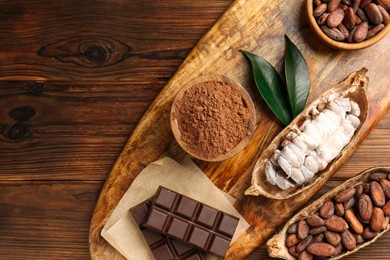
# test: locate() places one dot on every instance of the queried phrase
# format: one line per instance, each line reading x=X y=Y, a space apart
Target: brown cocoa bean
x=335 y=223
x=315 y=220
x=320 y=10
x=374 y=14
x=384 y=3
x=365 y=207
x=353 y=221
x=305 y=256
x=322 y=19
x=339 y=209
x=368 y=233
x=359 y=239
x=385 y=15
x=386 y=209
x=339 y=249
x=346 y=2
x=366 y=188
x=351 y=34
x=364 y=3
x=356 y=5
x=345 y=195
x=304 y=243
x=318 y=238
x=292 y=229
x=333 y=5
x=376 y=221
x=317 y=2
x=385 y=222
x=333 y=238
x=349 y=203
x=361 y=32
x=335 y=18
x=321 y=249
x=349 y=20
x=362 y=15
x=357 y=20
x=377 y=194
x=377 y=176
x=348 y=240
x=292 y=240
x=359 y=191
x=385 y=183
x=317 y=230
x=327 y=210
x=344 y=7
x=365 y=222
x=325 y=1
x=293 y=251
x=303 y=229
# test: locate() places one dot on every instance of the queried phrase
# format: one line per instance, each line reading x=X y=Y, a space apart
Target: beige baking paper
x=122 y=232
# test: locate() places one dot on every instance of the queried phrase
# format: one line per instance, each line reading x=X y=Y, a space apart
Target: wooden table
x=68 y=104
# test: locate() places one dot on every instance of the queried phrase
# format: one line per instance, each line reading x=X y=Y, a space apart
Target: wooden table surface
x=75 y=78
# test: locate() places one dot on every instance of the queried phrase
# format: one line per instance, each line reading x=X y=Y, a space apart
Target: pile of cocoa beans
x=352 y=217
x=351 y=20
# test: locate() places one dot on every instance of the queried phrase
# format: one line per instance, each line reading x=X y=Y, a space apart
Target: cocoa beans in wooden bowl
x=344 y=220
x=349 y=24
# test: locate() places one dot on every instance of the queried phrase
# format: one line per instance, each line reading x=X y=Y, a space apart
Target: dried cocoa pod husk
x=354 y=87
x=276 y=245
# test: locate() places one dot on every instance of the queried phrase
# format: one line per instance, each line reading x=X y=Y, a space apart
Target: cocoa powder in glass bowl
x=212 y=118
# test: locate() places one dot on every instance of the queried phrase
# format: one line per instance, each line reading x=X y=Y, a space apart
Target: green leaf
x=271 y=87
x=297 y=77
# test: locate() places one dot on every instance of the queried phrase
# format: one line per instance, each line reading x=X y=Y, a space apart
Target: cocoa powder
x=213 y=117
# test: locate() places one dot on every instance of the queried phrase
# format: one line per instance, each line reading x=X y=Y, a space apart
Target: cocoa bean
x=293 y=251
x=361 y=32
x=344 y=7
x=368 y=233
x=339 y=249
x=339 y=209
x=327 y=210
x=345 y=195
x=365 y=207
x=315 y=220
x=362 y=15
x=377 y=194
x=304 y=243
x=353 y=221
x=335 y=18
x=349 y=20
x=348 y=240
x=320 y=10
x=359 y=191
x=292 y=240
x=377 y=176
x=346 y=2
x=318 y=238
x=351 y=34
x=366 y=188
x=305 y=256
x=333 y=238
x=358 y=21
x=333 y=5
x=321 y=249
x=385 y=15
x=385 y=183
x=385 y=222
x=384 y=3
x=364 y=3
x=325 y=1
x=374 y=14
x=317 y=2
x=317 y=230
x=292 y=229
x=364 y=222
x=359 y=239
x=386 y=209
x=322 y=19
x=349 y=203
x=356 y=5
x=376 y=221
x=335 y=223
x=303 y=229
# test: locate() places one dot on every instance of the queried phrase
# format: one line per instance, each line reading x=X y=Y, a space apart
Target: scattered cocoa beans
x=352 y=21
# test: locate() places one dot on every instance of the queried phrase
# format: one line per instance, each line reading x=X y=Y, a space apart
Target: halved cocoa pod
x=276 y=245
x=353 y=87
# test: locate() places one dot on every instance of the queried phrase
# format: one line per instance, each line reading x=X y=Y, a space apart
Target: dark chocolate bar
x=163 y=247
x=191 y=221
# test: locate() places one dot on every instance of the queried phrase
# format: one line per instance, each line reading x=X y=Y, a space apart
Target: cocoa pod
x=361 y=32
x=385 y=183
x=368 y=233
x=317 y=230
x=364 y=3
x=339 y=209
x=362 y=15
x=335 y=18
x=386 y=209
x=322 y=19
x=349 y=20
x=318 y=238
x=292 y=240
x=359 y=239
x=359 y=191
x=348 y=240
x=356 y=5
x=345 y=195
x=321 y=249
x=303 y=229
x=335 y=223
x=292 y=229
x=315 y=220
x=376 y=221
x=377 y=176
x=385 y=15
x=353 y=221
x=333 y=5
x=333 y=238
x=377 y=194
x=293 y=251
x=304 y=243
x=305 y=256
x=320 y=10
x=384 y=3
x=349 y=203
x=374 y=14
x=365 y=207
x=327 y=210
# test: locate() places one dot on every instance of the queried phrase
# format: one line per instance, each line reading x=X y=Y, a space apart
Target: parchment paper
x=122 y=232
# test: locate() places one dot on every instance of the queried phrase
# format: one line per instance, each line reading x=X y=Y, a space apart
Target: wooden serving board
x=257 y=26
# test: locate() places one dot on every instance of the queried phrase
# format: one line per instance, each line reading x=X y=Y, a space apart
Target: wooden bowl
x=246 y=99
x=342 y=45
